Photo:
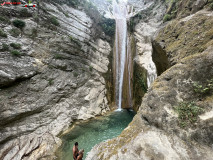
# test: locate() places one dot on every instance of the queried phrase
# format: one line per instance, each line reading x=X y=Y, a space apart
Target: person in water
x=75 y=151
x=80 y=156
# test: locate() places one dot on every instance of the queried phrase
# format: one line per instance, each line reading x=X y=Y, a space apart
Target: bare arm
x=79 y=157
x=74 y=154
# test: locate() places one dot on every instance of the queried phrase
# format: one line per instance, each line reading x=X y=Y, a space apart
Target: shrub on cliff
x=75 y=74
x=211 y=6
x=188 y=113
x=15 y=32
x=51 y=82
x=58 y=56
x=210 y=2
x=203 y=89
x=4 y=19
x=3 y=34
x=108 y=26
x=74 y=3
x=54 y=21
x=5 y=47
x=24 y=13
x=15 y=53
x=167 y=17
x=15 y=45
x=76 y=41
x=19 y=23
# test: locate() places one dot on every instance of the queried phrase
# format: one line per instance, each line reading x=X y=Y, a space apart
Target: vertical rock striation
x=56 y=79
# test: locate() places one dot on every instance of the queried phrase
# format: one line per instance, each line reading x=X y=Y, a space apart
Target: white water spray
x=123 y=61
x=120 y=14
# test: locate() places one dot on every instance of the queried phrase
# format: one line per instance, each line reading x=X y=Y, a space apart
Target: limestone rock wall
x=57 y=77
x=145 y=25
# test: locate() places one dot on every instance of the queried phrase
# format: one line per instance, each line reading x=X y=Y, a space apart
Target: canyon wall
x=182 y=51
x=51 y=74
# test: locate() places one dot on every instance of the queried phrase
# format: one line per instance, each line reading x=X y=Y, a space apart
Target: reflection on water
x=90 y=133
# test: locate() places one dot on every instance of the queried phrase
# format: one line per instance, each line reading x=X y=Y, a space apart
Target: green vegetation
x=58 y=56
x=75 y=3
x=66 y=14
x=211 y=6
x=54 y=21
x=210 y=3
x=15 y=32
x=94 y=49
x=24 y=13
x=90 y=68
x=203 y=89
x=139 y=82
x=3 y=34
x=142 y=82
x=15 y=53
x=167 y=17
x=51 y=82
x=172 y=10
x=5 y=47
x=83 y=70
x=19 y=23
x=75 y=74
x=87 y=43
x=89 y=6
x=4 y=20
x=36 y=18
x=131 y=25
x=15 y=45
x=34 y=33
x=188 y=113
x=108 y=26
x=76 y=41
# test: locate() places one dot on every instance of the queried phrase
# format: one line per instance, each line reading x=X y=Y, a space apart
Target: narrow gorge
x=127 y=79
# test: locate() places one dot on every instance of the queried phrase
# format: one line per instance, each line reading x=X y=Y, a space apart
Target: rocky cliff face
x=51 y=73
x=167 y=125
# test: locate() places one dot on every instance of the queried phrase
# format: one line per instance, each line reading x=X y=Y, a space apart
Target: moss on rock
x=139 y=85
x=186 y=37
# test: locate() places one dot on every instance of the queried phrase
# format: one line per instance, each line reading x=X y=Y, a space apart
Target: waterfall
x=149 y=65
x=123 y=58
x=120 y=14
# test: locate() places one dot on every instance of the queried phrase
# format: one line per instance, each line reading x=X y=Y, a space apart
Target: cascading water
x=149 y=65
x=120 y=14
x=123 y=56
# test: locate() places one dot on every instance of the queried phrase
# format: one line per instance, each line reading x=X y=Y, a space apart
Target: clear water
x=90 y=133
